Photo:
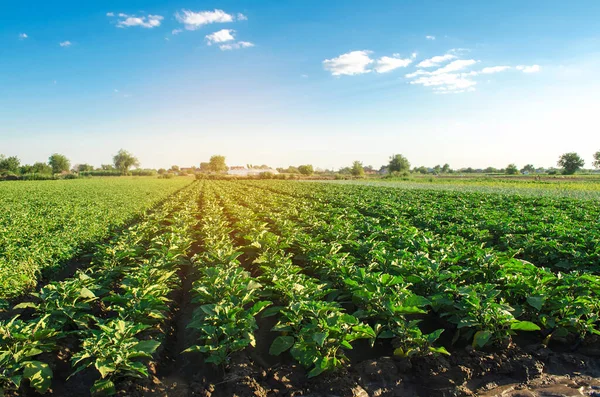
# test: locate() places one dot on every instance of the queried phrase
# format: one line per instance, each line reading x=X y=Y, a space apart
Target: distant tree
x=368 y=168
x=84 y=167
x=437 y=169
x=292 y=170
x=162 y=171
x=469 y=170
x=421 y=170
x=446 y=168
x=204 y=167
x=124 y=160
x=398 y=163
x=529 y=168
x=357 y=169
x=570 y=163
x=280 y=169
x=490 y=170
x=107 y=167
x=512 y=169
x=217 y=164
x=41 y=168
x=596 y=162
x=174 y=168
x=59 y=163
x=9 y=164
x=306 y=169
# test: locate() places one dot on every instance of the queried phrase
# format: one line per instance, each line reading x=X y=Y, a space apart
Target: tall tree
x=124 y=160
x=570 y=162
x=446 y=168
x=528 y=168
x=204 y=167
x=357 y=169
x=398 y=163
x=59 y=163
x=306 y=169
x=9 y=164
x=512 y=169
x=217 y=164
x=596 y=161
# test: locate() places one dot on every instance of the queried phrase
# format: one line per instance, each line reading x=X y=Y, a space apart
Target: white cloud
x=241 y=17
x=110 y=14
x=447 y=82
x=387 y=64
x=176 y=31
x=351 y=63
x=529 y=69
x=494 y=69
x=445 y=79
x=151 y=21
x=194 y=20
x=454 y=66
x=236 y=46
x=65 y=44
x=430 y=37
x=221 y=36
x=23 y=36
x=435 y=61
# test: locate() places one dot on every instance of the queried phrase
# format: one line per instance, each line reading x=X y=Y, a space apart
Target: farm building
x=243 y=171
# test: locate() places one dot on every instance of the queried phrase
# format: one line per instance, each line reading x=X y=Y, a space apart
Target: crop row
x=44 y=225
x=112 y=314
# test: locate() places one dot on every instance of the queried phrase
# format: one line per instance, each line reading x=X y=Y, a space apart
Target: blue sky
x=468 y=83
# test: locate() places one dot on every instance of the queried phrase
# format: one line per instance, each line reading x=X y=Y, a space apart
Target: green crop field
x=241 y=287
x=45 y=224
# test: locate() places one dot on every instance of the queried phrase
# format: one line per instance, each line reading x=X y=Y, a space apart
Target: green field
x=44 y=224
x=314 y=278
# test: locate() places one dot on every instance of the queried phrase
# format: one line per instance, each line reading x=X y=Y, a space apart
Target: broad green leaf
x=39 y=375
x=86 y=293
x=481 y=338
x=439 y=350
x=536 y=301
x=524 y=326
x=147 y=346
x=319 y=338
x=103 y=388
x=281 y=344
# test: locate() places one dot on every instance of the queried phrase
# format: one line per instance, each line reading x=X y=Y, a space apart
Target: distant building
x=243 y=171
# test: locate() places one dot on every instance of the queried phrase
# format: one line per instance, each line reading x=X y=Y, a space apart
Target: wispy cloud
x=220 y=36
x=110 y=14
x=241 y=17
x=494 y=69
x=529 y=69
x=175 y=32
x=236 y=46
x=194 y=20
x=23 y=36
x=387 y=64
x=65 y=44
x=447 y=79
x=430 y=37
x=351 y=63
x=149 y=22
x=436 y=61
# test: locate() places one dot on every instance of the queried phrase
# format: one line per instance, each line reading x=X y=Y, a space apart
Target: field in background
x=580 y=188
x=44 y=224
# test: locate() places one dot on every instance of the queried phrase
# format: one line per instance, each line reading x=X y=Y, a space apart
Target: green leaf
x=105 y=367
x=39 y=375
x=536 y=301
x=86 y=293
x=271 y=311
x=147 y=346
x=281 y=344
x=524 y=326
x=319 y=338
x=258 y=307
x=103 y=387
x=26 y=305
x=481 y=338
x=439 y=350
